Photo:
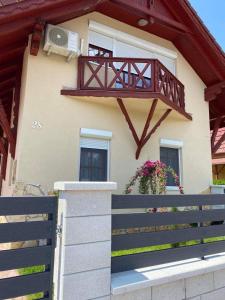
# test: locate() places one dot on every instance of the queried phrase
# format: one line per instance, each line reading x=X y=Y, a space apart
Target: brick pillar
x=84 y=256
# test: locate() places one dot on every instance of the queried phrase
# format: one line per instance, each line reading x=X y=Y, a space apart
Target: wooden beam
x=213 y=91
x=36 y=37
x=127 y=117
x=147 y=124
x=4 y=156
x=5 y=124
x=164 y=116
x=215 y=131
x=145 y=137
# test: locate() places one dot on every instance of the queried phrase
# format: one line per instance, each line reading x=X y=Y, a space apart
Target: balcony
x=128 y=78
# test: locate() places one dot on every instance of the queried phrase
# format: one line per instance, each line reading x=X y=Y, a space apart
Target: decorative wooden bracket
x=5 y=124
x=145 y=134
x=213 y=91
x=36 y=37
x=217 y=125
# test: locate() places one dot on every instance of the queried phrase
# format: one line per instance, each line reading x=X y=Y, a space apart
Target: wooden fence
x=186 y=222
x=31 y=256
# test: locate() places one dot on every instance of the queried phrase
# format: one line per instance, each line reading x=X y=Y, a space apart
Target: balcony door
x=121 y=44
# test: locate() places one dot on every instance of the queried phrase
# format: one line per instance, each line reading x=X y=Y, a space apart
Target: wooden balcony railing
x=131 y=75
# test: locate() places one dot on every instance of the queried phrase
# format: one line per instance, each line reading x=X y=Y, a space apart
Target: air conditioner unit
x=61 y=41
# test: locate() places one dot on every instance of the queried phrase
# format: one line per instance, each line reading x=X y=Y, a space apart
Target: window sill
x=172 y=188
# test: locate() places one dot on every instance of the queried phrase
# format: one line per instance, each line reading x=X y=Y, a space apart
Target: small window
x=98 y=51
x=93 y=164
x=94 y=154
x=170 y=157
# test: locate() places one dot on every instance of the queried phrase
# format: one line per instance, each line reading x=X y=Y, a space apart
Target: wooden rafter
x=145 y=135
x=144 y=9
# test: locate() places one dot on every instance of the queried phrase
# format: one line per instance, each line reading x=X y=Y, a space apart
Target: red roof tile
x=221 y=131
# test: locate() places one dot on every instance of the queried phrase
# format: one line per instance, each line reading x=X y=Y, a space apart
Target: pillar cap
x=84 y=186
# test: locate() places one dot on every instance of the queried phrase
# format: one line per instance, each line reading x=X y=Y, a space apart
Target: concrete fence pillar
x=84 y=255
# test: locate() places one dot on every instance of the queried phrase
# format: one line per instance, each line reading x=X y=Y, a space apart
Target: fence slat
x=134 y=261
x=27 y=205
x=123 y=221
x=156 y=201
x=144 y=239
x=25 y=231
x=25 y=257
x=24 y=285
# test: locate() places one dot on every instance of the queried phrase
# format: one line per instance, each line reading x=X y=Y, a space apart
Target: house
x=147 y=84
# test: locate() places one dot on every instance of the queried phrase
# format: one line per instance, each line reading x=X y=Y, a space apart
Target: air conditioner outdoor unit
x=61 y=41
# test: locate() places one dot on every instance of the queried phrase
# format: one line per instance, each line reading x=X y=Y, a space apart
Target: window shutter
x=94 y=143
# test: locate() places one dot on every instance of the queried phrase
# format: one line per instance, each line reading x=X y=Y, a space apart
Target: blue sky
x=212 y=12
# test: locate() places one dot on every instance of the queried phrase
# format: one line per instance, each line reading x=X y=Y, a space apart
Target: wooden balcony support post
x=140 y=142
x=127 y=117
x=153 y=130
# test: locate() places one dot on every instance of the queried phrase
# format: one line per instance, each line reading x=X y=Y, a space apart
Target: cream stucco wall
x=51 y=153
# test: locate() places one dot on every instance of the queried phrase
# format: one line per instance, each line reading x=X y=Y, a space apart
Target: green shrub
x=219 y=181
x=32 y=270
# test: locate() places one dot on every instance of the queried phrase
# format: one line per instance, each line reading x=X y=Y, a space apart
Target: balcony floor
x=138 y=101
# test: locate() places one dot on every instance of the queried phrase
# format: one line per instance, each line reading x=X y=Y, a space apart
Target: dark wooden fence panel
x=136 y=230
x=44 y=229
x=170 y=218
x=156 y=201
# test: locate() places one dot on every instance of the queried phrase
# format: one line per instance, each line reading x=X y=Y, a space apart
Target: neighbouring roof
x=219 y=156
x=218 y=161
x=178 y=23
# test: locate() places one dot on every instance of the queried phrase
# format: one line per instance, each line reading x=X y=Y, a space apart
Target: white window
x=94 y=155
x=170 y=154
x=126 y=45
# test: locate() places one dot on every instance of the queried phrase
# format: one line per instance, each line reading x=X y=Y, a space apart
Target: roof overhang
x=178 y=23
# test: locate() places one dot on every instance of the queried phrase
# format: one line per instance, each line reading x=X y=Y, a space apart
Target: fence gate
x=33 y=260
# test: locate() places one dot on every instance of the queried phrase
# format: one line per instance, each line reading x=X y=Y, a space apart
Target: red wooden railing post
x=155 y=75
x=106 y=75
x=80 y=75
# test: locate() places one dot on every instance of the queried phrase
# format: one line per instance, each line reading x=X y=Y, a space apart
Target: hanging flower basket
x=152 y=178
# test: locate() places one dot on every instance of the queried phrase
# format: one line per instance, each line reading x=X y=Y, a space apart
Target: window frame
x=174 y=144
x=96 y=135
x=105 y=167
